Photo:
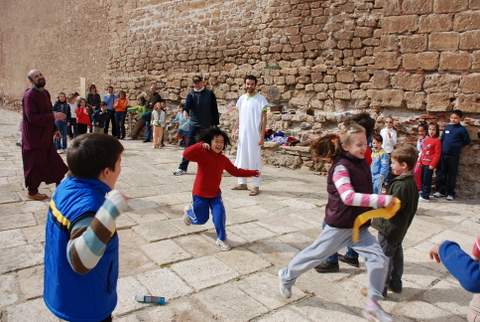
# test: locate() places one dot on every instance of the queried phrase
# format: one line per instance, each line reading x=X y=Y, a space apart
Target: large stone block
x=415 y=100
x=469 y=103
x=425 y=61
x=474 y=4
x=387 y=60
x=470 y=83
x=413 y=43
x=470 y=40
x=400 y=24
x=476 y=60
x=438 y=83
x=407 y=81
x=435 y=22
x=380 y=79
x=447 y=6
x=345 y=76
x=439 y=102
x=443 y=41
x=386 y=97
x=455 y=61
x=417 y=7
x=464 y=21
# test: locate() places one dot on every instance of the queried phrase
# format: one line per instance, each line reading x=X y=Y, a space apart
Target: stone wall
x=65 y=39
x=319 y=60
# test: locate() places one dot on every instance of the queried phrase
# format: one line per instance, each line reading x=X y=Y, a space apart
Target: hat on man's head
x=197 y=79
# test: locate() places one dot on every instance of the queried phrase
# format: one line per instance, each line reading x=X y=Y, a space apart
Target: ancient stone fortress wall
x=319 y=59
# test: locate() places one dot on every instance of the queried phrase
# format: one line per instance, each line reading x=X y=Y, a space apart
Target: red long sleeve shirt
x=210 y=169
x=431 y=151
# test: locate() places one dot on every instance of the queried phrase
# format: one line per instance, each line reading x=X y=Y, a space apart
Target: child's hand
x=476 y=249
x=431 y=168
x=257 y=174
x=206 y=146
x=119 y=200
x=434 y=253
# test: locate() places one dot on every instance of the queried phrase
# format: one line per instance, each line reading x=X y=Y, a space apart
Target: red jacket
x=368 y=155
x=210 y=169
x=431 y=151
x=82 y=116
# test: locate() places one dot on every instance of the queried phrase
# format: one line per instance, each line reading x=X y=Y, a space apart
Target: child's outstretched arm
x=341 y=179
x=89 y=236
x=237 y=172
x=464 y=268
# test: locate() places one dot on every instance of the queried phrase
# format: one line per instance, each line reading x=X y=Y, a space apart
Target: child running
x=208 y=153
x=349 y=186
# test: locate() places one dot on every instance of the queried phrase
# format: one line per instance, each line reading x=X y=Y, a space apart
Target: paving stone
x=449 y=297
x=418 y=310
x=464 y=240
x=251 y=231
x=157 y=230
x=9 y=197
x=283 y=315
x=142 y=216
x=233 y=239
x=16 y=220
x=180 y=225
x=127 y=288
x=19 y=257
x=197 y=245
x=8 y=289
x=165 y=252
x=31 y=282
x=263 y=287
x=204 y=272
x=283 y=224
x=230 y=303
x=124 y=221
x=11 y=238
x=274 y=251
x=297 y=239
x=34 y=310
x=132 y=259
x=163 y=282
x=243 y=261
x=35 y=234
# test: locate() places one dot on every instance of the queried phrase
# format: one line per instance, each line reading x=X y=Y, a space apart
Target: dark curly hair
x=208 y=135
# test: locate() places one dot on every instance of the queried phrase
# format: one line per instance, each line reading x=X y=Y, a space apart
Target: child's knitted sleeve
x=341 y=179
x=194 y=152
x=89 y=236
x=237 y=172
x=464 y=268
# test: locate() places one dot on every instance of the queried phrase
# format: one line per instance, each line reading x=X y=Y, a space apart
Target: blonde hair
x=349 y=131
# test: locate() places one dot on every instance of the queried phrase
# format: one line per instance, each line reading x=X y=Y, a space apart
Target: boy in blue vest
x=454 y=138
x=81 y=243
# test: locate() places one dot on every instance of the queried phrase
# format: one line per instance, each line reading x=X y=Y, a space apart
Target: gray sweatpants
x=331 y=240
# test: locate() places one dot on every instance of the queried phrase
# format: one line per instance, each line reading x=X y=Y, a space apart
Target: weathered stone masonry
x=324 y=58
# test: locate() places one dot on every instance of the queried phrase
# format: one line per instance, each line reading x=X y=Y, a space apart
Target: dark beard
x=40 y=83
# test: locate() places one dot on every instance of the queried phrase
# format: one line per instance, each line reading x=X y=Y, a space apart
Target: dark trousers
x=447 y=174
x=110 y=118
x=82 y=128
x=72 y=128
x=191 y=140
x=120 y=120
x=394 y=252
x=147 y=117
x=427 y=175
x=61 y=142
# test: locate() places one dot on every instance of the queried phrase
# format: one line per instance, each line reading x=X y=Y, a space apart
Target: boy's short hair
x=208 y=135
x=406 y=153
x=197 y=79
x=377 y=137
x=89 y=154
x=459 y=113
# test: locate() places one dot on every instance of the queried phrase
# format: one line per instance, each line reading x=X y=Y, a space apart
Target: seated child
x=81 y=243
x=464 y=268
x=208 y=153
x=391 y=232
x=380 y=163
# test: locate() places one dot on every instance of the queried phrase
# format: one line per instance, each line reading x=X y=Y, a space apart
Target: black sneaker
x=352 y=261
x=328 y=267
x=395 y=288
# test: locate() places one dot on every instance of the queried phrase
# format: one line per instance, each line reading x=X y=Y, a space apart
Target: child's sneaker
x=286 y=291
x=438 y=195
x=186 y=218
x=423 y=199
x=450 y=198
x=179 y=172
x=374 y=312
x=223 y=245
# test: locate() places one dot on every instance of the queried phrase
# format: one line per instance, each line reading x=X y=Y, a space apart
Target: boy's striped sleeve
x=90 y=236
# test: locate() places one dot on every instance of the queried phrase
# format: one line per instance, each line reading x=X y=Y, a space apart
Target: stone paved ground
x=161 y=256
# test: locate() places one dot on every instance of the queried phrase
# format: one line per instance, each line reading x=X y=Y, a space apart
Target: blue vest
x=69 y=295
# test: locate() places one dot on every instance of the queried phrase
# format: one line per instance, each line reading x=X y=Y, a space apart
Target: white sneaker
x=179 y=172
x=223 y=245
x=450 y=198
x=423 y=199
x=60 y=151
x=186 y=218
x=376 y=314
x=286 y=291
x=438 y=195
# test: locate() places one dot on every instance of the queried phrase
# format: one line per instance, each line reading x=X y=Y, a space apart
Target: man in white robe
x=250 y=130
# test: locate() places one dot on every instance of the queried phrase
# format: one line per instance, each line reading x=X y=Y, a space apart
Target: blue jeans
x=192 y=139
x=62 y=128
x=120 y=120
x=147 y=117
x=427 y=175
x=199 y=213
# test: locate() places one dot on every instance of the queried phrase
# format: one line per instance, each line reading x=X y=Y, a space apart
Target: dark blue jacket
x=64 y=108
x=202 y=108
x=99 y=118
x=464 y=268
x=454 y=137
x=69 y=295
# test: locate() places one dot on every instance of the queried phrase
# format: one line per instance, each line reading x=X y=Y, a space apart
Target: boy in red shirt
x=429 y=158
x=208 y=153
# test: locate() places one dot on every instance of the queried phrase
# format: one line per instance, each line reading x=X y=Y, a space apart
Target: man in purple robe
x=41 y=162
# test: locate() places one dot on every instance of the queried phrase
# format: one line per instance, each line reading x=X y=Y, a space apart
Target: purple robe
x=41 y=162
